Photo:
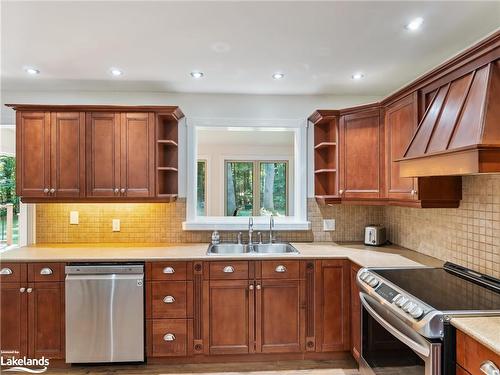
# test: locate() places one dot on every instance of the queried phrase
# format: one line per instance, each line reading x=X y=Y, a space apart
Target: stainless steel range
x=406 y=313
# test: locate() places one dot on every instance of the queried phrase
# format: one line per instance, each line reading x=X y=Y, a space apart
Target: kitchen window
x=201 y=188
x=256 y=188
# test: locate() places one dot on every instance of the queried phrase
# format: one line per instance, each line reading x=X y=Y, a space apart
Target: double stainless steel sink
x=258 y=248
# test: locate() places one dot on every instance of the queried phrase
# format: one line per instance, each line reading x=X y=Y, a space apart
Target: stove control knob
x=364 y=275
x=409 y=306
x=402 y=301
x=417 y=312
x=373 y=283
x=397 y=298
x=368 y=279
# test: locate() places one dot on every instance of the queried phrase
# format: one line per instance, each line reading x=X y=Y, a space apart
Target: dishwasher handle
x=115 y=269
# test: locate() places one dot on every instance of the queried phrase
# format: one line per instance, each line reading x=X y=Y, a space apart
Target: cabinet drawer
x=169 y=299
x=12 y=272
x=168 y=337
x=46 y=272
x=471 y=354
x=281 y=269
x=169 y=271
x=229 y=270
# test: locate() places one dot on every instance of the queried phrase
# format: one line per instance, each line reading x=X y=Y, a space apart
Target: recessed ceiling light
x=357 y=76
x=116 y=72
x=197 y=74
x=415 y=24
x=278 y=76
x=32 y=71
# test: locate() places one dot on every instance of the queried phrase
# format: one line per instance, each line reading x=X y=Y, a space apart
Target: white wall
x=195 y=105
x=7 y=140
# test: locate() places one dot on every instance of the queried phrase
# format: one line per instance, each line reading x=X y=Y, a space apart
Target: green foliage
x=200 y=189
x=8 y=183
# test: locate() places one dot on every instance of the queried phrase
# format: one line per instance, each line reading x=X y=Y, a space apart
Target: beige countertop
x=485 y=330
x=387 y=256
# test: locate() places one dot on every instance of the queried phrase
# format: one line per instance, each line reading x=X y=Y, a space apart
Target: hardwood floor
x=337 y=367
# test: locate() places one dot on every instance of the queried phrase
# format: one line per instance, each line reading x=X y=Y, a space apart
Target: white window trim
x=296 y=222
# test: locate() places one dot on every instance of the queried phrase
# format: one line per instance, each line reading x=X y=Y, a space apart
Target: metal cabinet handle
x=117 y=191
x=22 y=290
x=169 y=337
x=29 y=290
x=341 y=192
x=258 y=287
x=169 y=299
x=46 y=190
x=250 y=287
x=122 y=190
x=6 y=271
x=46 y=271
x=228 y=269
x=52 y=191
x=281 y=268
x=413 y=192
x=489 y=368
x=168 y=270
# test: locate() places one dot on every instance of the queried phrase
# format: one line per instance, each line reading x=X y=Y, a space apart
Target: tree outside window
x=256 y=188
x=8 y=195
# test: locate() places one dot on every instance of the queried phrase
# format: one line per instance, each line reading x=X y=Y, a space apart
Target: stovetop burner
x=443 y=289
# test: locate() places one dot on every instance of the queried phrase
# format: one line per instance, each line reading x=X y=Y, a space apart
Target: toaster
x=375 y=235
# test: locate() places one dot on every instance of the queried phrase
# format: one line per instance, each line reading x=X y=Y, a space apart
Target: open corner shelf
x=167 y=138
x=325 y=170
x=325 y=145
x=167 y=142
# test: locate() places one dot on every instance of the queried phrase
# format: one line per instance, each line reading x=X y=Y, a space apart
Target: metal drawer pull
x=6 y=271
x=250 y=287
x=22 y=290
x=280 y=268
x=168 y=270
x=29 y=290
x=169 y=337
x=228 y=269
x=169 y=299
x=46 y=271
x=258 y=287
x=489 y=368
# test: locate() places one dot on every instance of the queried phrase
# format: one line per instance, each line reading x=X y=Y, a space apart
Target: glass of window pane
x=201 y=188
x=273 y=188
x=239 y=188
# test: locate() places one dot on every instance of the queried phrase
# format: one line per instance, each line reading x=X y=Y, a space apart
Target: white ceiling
x=238 y=45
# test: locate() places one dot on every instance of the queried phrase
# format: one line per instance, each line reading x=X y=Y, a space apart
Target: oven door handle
x=412 y=344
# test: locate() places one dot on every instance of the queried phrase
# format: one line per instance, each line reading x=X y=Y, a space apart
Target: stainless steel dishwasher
x=104 y=313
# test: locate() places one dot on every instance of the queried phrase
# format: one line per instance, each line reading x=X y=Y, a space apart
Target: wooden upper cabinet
x=67 y=154
x=361 y=135
x=33 y=154
x=137 y=154
x=51 y=162
x=103 y=154
x=400 y=124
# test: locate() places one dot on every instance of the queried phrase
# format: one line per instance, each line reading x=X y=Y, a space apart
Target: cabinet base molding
x=257 y=357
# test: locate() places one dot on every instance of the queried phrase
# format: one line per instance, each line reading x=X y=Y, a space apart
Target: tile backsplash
x=468 y=235
x=162 y=223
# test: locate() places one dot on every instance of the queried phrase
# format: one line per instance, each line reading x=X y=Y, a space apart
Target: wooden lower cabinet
x=228 y=316
x=32 y=318
x=471 y=355
x=280 y=316
x=13 y=319
x=168 y=337
x=332 y=305
x=355 y=315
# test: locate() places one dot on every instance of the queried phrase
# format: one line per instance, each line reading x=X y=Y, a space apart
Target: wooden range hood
x=459 y=133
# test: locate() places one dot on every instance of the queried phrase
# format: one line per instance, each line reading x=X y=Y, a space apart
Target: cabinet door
x=33 y=157
x=68 y=154
x=137 y=154
x=280 y=324
x=228 y=317
x=400 y=124
x=46 y=320
x=361 y=136
x=332 y=305
x=103 y=154
x=13 y=319
x=355 y=315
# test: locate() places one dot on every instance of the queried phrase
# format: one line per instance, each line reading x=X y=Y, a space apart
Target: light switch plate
x=328 y=225
x=73 y=218
x=116 y=225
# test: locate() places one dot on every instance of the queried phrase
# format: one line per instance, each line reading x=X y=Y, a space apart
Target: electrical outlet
x=116 y=225
x=73 y=218
x=328 y=225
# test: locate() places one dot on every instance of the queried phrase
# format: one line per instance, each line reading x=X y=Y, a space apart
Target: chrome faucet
x=271 y=227
x=239 y=238
x=250 y=231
